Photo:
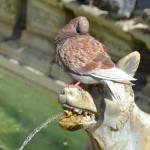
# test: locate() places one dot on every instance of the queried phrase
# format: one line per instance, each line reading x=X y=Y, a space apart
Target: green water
x=23 y=108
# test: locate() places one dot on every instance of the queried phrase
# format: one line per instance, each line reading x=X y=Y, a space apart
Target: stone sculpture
x=110 y=124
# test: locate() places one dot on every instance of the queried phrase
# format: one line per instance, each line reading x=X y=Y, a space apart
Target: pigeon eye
x=78 y=29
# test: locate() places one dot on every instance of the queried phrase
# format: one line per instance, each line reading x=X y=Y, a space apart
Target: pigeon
x=85 y=58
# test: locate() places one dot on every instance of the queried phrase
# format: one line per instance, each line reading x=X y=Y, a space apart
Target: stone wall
x=44 y=18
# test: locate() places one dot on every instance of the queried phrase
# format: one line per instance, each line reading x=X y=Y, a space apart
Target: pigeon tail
x=113 y=74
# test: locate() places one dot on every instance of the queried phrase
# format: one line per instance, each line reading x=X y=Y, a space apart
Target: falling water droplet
x=39 y=128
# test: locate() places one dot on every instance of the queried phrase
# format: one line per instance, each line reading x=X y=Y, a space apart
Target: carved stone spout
x=110 y=124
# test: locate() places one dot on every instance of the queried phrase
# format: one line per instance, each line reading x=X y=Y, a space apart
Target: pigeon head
x=81 y=24
x=76 y=26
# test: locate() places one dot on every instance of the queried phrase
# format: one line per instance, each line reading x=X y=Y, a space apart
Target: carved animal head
x=95 y=105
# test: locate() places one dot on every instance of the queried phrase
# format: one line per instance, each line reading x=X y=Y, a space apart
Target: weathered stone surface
x=29 y=77
x=52 y=2
x=44 y=18
x=37 y=59
x=37 y=42
x=8 y=9
x=5 y=30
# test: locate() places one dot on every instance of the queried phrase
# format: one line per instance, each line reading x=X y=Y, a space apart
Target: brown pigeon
x=85 y=58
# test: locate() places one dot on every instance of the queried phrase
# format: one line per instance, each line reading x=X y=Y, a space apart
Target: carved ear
x=129 y=63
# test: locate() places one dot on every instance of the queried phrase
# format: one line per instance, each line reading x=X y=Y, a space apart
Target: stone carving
x=110 y=124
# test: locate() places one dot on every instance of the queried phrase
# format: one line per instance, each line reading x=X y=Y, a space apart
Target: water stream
x=39 y=128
